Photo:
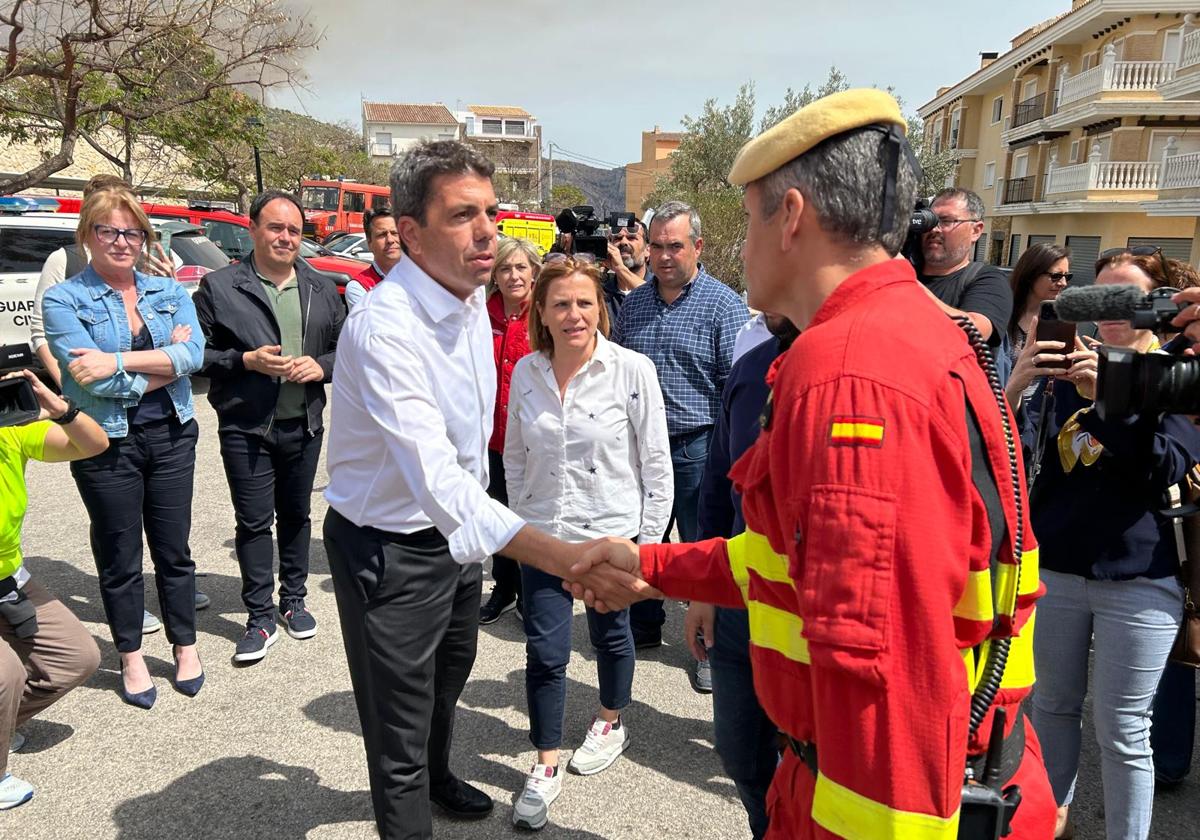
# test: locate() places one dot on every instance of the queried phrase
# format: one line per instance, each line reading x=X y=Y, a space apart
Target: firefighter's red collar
x=861 y=284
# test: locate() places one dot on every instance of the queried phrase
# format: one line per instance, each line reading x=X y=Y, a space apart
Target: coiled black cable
x=989 y=683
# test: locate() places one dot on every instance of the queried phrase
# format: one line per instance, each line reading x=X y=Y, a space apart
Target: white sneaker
x=601 y=747
x=542 y=787
x=14 y=792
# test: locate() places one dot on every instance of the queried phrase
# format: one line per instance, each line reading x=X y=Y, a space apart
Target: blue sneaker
x=260 y=634
x=297 y=619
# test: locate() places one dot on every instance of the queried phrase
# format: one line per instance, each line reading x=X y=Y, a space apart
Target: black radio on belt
x=21 y=614
x=987 y=810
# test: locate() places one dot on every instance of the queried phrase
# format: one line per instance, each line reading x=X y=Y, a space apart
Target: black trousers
x=143 y=481
x=410 y=619
x=505 y=571
x=271 y=480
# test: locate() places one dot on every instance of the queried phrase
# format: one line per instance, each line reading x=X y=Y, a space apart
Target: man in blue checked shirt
x=686 y=321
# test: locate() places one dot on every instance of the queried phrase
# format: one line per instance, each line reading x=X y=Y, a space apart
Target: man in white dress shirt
x=410 y=521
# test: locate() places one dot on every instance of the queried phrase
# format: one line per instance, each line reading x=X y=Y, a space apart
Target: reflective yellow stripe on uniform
x=1018 y=670
x=848 y=814
x=778 y=630
x=770 y=627
x=976 y=602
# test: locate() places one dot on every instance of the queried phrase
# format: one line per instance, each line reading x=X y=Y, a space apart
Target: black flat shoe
x=460 y=799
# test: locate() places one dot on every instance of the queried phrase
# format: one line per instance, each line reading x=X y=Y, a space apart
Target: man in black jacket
x=271 y=324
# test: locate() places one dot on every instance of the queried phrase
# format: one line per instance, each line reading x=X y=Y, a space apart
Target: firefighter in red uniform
x=886 y=555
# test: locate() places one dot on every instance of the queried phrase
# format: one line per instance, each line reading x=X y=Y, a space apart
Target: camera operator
x=626 y=264
x=44 y=650
x=962 y=286
x=1108 y=560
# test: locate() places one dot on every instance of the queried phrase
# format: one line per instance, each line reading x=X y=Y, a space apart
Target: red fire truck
x=338 y=206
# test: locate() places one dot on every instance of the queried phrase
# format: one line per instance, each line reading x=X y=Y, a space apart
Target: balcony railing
x=493 y=134
x=1112 y=175
x=1032 y=109
x=1190 y=53
x=1018 y=190
x=1116 y=76
x=1181 y=171
x=382 y=149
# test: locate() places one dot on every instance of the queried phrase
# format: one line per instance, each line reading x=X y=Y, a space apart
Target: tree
x=936 y=167
x=697 y=176
x=566 y=195
x=105 y=73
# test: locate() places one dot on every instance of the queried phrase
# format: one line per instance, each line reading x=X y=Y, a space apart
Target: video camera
x=589 y=233
x=920 y=223
x=18 y=403
x=1130 y=382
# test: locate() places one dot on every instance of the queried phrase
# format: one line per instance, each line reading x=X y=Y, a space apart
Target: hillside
x=604 y=188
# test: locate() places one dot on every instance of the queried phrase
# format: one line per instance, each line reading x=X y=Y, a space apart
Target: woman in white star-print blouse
x=586 y=455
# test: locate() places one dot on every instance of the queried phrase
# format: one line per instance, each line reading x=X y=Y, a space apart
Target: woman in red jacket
x=516 y=267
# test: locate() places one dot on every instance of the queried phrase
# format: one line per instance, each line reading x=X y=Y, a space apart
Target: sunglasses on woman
x=1108 y=256
x=1060 y=276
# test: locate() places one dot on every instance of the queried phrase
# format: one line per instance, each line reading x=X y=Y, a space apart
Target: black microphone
x=1153 y=311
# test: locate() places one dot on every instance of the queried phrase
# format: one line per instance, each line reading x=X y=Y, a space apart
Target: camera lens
x=1177 y=390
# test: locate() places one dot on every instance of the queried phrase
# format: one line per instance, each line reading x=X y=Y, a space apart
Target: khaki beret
x=827 y=117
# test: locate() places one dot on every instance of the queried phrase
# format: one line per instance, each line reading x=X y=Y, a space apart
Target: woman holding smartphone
x=1108 y=560
x=1043 y=271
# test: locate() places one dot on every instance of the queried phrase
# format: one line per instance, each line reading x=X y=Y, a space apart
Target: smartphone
x=1050 y=328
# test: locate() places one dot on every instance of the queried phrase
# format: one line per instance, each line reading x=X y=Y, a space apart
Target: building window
x=1084 y=252
x=493 y=126
x=938 y=125
x=470 y=125
x=515 y=127
x=955 y=122
x=989 y=174
x=997 y=109
x=383 y=138
x=1074 y=151
x=1014 y=249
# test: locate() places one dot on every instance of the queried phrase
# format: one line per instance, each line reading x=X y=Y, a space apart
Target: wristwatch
x=69 y=415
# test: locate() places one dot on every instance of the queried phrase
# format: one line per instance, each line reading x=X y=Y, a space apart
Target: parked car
x=30 y=231
x=352 y=245
x=231 y=233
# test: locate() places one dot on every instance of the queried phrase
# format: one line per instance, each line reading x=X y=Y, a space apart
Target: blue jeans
x=689 y=453
x=1173 y=733
x=1133 y=624
x=548 y=613
x=745 y=736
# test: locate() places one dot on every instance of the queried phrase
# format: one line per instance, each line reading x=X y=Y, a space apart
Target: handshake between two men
x=606 y=574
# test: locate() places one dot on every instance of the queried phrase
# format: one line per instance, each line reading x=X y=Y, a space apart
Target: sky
x=596 y=75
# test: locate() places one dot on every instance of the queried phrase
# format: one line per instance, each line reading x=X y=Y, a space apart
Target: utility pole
x=550 y=195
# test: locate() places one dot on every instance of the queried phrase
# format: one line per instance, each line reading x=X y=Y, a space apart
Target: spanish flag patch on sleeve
x=856 y=431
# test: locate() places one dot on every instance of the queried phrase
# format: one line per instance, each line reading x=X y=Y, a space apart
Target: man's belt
x=806 y=751
x=685 y=437
x=1011 y=753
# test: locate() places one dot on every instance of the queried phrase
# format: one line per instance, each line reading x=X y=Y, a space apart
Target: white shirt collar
x=602 y=355
x=430 y=295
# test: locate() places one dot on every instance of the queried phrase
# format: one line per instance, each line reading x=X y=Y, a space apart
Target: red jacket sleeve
x=692 y=571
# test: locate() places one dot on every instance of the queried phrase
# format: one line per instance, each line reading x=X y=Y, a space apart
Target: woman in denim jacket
x=126 y=343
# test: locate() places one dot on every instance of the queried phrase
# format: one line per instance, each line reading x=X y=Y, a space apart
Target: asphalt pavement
x=274 y=749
